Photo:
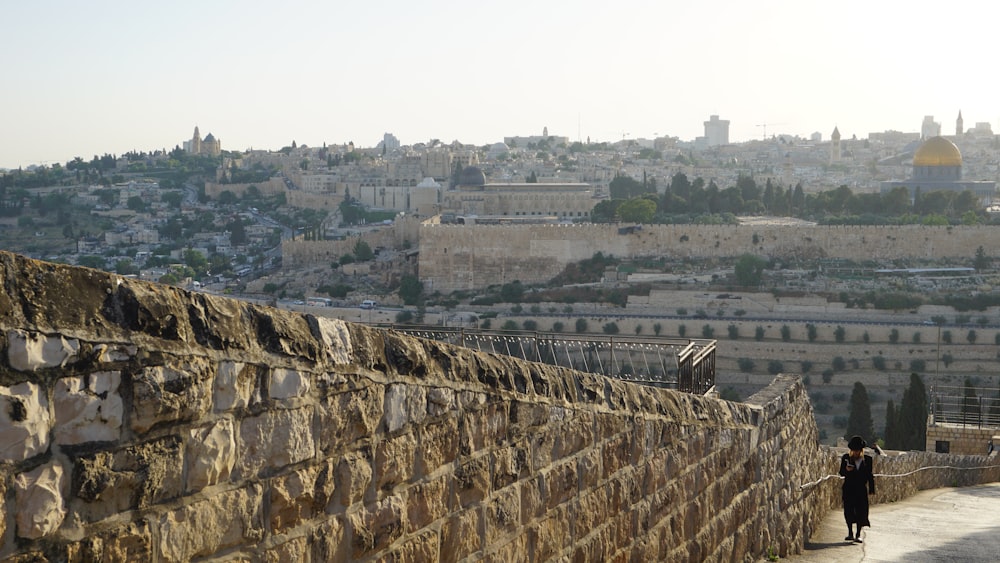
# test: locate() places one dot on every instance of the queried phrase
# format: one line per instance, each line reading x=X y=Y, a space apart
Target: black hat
x=857 y=443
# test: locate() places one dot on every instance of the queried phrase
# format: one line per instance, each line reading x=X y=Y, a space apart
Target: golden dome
x=937 y=151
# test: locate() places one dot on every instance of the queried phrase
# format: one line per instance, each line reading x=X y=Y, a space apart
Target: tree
x=581 y=325
x=838 y=334
x=749 y=270
x=410 y=289
x=610 y=328
x=891 y=436
x=745 y=364
x=363 y=251
x=658 y=328
x=981 y=261
x=637 y=210
x=859 y=421
x=878 y=362
x=96 y=262
x=681 y=330
x=971 y=409
x=774 y=367
x=912 y=421
x=734 y=331
x=838 y=363
x=758 y=334
x=811 y=332
x=946 y=336
x=707 y=331
x=136 y=203
x=894 y=336
x=971 y=337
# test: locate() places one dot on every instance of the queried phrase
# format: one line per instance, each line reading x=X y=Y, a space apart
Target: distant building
x=835 y=150
x=533 y=140
x=937 y=166
x=209 y=145
x=929 y=128
x=959 y=124
x=716 y=131
x=473 y=196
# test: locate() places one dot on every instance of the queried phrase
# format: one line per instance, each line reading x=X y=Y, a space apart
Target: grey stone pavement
x=954 y=524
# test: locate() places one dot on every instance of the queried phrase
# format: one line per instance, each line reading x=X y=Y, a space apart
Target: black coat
x=858 y=484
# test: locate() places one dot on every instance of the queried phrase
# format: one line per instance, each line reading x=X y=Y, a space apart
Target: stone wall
x=468 y=257
x=139 y=422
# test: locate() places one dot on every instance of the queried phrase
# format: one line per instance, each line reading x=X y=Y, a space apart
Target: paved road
x=961 y=524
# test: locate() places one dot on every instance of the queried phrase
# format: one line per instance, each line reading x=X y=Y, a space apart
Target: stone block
x=134 y=477
x=551 y=535
x=376 y=526
x=354 y=475
x=170 y=394
x=532 y=499
x=328 y=543
x=509 y=465
x=517 y=549
x=404 y=404
x=130 y=542
x=419 y=548
x=460 y=535
x=483 y=428
x=31 y=351
x=471 y=481
x=114 y=353
x=210 y=453
x=503 y=515
x=39 y=502
x=395 y=459
x=88 y=408
x=273 y=440
x=427 y=502
x=288 y=384
x=350 y=416
x=438 y=445
x=294 y=550
x=562 y=483
x=292 y=499
x=337 y=340
x=205 y=527
x=24 y=422
x=440 y=401
x=233 y=386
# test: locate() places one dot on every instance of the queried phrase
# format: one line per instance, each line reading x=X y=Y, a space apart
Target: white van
x=369 y=304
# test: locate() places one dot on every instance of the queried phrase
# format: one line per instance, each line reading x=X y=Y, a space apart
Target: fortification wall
x=139 y=422
x=468 y=257
x=269 y=187
x=404 y=232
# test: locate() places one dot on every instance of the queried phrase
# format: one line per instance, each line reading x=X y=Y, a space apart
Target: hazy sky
x=86 y=78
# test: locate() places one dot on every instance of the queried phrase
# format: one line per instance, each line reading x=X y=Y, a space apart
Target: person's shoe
x=858 y=540
x=849 y=538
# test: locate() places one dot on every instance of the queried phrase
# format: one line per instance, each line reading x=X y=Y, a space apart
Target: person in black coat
x=859 y=482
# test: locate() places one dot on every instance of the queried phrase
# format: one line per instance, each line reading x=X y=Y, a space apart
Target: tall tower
x=196 y=142
x=835 y=153
x=716 y=131
x=959 y=124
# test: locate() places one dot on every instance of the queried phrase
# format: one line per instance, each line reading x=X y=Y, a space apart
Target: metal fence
x=967 y=406
x=684 y=364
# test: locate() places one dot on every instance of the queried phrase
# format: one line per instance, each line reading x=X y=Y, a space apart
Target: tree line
x=686 y=201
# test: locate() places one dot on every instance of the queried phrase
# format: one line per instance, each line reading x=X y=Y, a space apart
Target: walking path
x=955 y=525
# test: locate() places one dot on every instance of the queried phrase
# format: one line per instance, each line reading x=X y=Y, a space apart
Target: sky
x=110 y=76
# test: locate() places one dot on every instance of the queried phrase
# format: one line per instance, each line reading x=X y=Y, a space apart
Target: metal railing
x=684 y=364
x=967 y=406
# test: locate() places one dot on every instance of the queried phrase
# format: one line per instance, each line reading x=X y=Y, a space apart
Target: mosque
x=937 y=166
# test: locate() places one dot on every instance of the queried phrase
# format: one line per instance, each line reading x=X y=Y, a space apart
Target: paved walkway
x=961 y=524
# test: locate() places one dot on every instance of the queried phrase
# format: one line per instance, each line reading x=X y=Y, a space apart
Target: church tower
x=835 y=153
x=196 y=142
x=959 y=124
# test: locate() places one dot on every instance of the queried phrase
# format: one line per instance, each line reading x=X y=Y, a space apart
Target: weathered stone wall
x=466 y=257
x=139 y=422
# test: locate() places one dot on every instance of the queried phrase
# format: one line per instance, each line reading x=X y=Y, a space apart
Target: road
x=954 y=524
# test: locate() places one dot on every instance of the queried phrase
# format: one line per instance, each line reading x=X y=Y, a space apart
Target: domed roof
x=472 y=176
x=937 y=151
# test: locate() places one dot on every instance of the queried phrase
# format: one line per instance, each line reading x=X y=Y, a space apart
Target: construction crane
x=764 y=125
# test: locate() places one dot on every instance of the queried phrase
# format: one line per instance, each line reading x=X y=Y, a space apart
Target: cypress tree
x=912 y=418
x=891 y=426
x=859 y=421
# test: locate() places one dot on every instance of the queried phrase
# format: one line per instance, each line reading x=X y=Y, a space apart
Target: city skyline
x=114 y=76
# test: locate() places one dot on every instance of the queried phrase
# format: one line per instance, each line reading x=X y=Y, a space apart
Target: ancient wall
x=466 y=257
x=269 y=187
x=139 y=422
x=301 y=253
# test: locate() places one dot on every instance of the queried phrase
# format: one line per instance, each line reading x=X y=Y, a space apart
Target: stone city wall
x=468 y=257
x=302 y=253
x=269 y=187
x=139 y=422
